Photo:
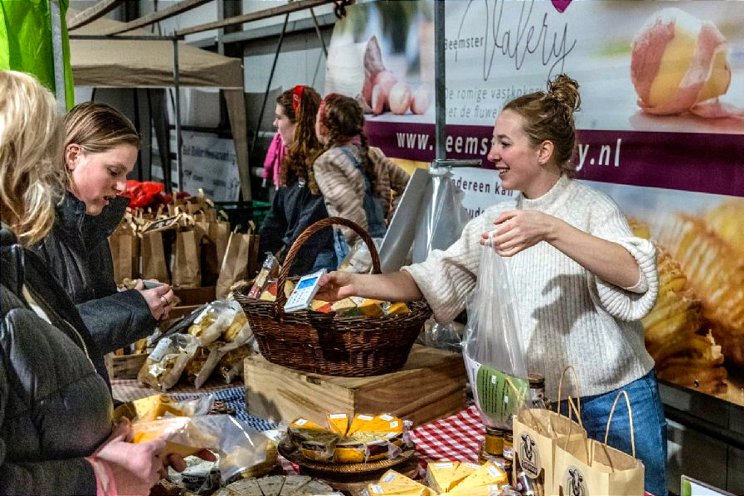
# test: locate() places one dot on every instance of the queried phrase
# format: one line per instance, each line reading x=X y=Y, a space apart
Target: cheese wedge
x=442 y=476
x=292 y=483
x=272 y=485
x=338 y=422
x=394 y=483
x=483 y=481
x=367 y=306
x=244 y=487
x=370 y=423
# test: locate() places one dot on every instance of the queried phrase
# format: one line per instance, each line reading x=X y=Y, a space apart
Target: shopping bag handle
x=630 y=419
x=577 y=406
x=572 y=406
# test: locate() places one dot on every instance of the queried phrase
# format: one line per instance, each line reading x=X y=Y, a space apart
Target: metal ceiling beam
x=254 y=16
x=92 y=13
x=159 y=15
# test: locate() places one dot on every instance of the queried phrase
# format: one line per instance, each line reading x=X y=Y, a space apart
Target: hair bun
x=565 y=91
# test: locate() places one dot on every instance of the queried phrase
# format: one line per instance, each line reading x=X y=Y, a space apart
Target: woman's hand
x=335 y=286
x=517 y=230
x=159 y=299
x=123 y=467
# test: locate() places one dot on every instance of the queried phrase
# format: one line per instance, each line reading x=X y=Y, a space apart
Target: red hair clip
x=297 y=96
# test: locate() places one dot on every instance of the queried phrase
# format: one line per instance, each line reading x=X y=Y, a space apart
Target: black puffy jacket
x=78 y=255
x=54 y=408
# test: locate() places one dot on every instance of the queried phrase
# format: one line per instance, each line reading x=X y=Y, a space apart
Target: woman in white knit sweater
x=581 y=278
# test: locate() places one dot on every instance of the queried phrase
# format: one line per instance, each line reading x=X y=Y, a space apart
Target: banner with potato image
x=661 y=130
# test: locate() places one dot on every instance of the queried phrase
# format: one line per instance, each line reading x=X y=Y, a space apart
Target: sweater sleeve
x=446 y=278
x=634 y=302
x=117 y=320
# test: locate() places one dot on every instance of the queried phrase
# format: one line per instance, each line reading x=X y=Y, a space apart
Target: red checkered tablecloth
x=457 y=437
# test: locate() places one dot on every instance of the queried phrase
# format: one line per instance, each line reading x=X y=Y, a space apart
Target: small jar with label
x=509 y=445
x=493 y=444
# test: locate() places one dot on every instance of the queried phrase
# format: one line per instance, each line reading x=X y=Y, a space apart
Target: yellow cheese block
x=367 y=306
x=345 y=307
x=375 y=423
x=489 y=477
x=338 y=422
x=180 y=435
x=399 y=308
x=394 y=483
x=441 y=476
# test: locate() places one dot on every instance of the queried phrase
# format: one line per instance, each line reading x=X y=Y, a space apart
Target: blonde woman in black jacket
x=56 y=433
x=100 y=149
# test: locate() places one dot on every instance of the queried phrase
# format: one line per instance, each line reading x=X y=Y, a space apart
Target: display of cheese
x=482 y=482
x=181 y=435
x=277 y=485
x=364 y=439
x=394 y=483
x=442 y=476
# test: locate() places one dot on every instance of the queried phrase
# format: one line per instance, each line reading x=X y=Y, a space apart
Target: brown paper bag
x=219 y=232
x=124 y=246
x=597 y=468
x=186 y=259
x=152 y=257
x=537 y=435
x=235 y=263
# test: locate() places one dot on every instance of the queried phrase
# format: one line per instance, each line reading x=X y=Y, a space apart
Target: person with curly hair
x=358 y=182
x=298 y=203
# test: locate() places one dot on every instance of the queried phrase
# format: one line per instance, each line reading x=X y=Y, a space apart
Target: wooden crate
x=431 y=385
x=124 y=366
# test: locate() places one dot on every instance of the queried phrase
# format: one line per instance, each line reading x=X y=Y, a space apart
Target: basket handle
x=304 y=236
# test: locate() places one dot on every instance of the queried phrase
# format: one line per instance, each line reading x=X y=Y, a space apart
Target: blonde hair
x=31 y=181
x=549 y=116
x=97 y=128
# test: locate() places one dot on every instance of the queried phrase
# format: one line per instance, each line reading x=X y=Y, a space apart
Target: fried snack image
x=727 y=221
x=674 y=331
x=715 y=272
x=677 y=62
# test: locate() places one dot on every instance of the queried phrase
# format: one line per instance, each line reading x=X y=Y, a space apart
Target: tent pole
x=268 y=84
x=177 y=87
x=317 y=31
x=440 y=80
x=60 y=89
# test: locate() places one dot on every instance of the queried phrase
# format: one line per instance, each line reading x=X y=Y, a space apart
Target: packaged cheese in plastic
x=164 y=365
x=214 y=320
x=239 y=446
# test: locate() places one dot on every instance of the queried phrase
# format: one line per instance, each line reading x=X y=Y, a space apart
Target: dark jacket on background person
x=54 y=408
x=78 y=255
x=293 y=209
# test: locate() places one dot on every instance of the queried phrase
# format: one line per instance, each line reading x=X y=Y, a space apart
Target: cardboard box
x=431 y=385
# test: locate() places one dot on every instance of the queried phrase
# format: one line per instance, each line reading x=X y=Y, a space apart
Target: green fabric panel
x=26 y=41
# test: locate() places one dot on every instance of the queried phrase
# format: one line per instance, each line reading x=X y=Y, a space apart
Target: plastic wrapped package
x=164 y=365
x=160 y=405
x=203 y=364
x=214 y=320
x=240 y=447
x=492 y=350
x=230 y=365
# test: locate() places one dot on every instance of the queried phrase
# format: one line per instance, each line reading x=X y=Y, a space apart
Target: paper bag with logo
x=538 y=433
x=124 y=246
x=599 y=469
x=234 y=264
x=186 y=258
x=152 y=257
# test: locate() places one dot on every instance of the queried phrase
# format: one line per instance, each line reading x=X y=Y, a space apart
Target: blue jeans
x=648 y=421
x=340 y=246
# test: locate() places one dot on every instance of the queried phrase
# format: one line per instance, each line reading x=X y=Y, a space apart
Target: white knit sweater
x=568 y=315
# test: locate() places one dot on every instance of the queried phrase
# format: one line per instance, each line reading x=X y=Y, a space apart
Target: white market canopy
x=127 y=63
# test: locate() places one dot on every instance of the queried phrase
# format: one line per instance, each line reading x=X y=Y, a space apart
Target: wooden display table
x=431 y=385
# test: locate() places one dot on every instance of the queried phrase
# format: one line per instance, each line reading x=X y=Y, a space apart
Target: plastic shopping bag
x=491 y=347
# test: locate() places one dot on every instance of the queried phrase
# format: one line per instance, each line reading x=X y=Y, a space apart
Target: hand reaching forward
x=335 y=286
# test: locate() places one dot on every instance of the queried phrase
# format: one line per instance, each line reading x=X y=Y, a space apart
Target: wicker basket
x=323 y=343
